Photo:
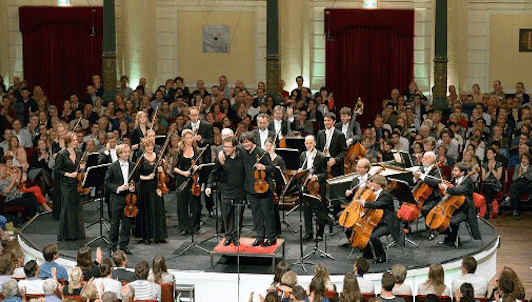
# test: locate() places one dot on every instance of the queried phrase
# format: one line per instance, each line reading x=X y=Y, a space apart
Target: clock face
x=525 y=40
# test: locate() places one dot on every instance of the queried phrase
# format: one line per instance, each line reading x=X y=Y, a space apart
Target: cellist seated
x=430 y=175
x=463 y=185
x=389 y=224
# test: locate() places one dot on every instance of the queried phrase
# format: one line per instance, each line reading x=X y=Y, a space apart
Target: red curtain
x=59 y=52
x=368 y=53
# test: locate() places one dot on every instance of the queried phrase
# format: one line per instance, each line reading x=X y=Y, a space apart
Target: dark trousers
x=28 y=202
x=518 y=187
x=57 y=199
x=188 y=211
x=452 y=231
x=375 y=240
x=488 y=192
x=263 y=216
x=427 y=206
x=320 y=223
x=118 y=218
x=229 y=207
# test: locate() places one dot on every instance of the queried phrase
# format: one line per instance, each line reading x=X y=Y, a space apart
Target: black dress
x=71 y=226
x=151 y=221
x=188 y=206
x=56 y=147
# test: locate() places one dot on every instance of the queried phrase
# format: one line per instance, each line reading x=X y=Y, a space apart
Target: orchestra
x=247 y=170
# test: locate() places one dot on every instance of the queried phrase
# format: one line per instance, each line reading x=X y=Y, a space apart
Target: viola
x=440 y=216
x=261 y=185
x=313 y=188
x=131 y=210
x=196 y=188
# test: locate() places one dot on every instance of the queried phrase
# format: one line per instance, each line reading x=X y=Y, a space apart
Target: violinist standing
x=230 y=176
x=389 y=224
x=188 y=206
x=71 y=225
x=463 y=185
x=314 y=161
x=116 y=183
x=151 y=221
x=261 y=203
x=429 y=174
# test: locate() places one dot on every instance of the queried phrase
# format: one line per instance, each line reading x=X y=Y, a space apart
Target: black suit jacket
x=385 y=202
x=122 y=274
x=353 y=131
x=337 y=149
x=114 y=179
x=256 y=136
x=205 y=130
x=433 y=182
x=285 y=129
x=104 y=158
x=319 y=167
x=466 y=188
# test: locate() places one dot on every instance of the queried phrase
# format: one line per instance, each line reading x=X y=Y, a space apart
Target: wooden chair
x=366 y=297
x=167 y=292
x=422 y=298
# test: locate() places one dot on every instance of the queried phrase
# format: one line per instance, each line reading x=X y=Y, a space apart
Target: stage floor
x=43 y=230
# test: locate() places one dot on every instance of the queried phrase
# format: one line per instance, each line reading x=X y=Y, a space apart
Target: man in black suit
x=116 y=182
x=348 y=126
x=204 y=136
x=389 y=223
x=279 y=124
x=429 y=174
x=262 y=133
x=108 y=154
x=463 y=185
x=119 y=271
x=331 y=142
x=314 y=161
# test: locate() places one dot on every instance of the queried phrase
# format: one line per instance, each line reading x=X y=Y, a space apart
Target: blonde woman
x=435 y=283
x=400 y=288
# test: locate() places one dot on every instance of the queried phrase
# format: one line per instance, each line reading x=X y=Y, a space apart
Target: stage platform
x=194 y=266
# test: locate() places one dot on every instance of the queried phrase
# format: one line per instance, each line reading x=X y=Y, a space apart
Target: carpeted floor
x=43 y=230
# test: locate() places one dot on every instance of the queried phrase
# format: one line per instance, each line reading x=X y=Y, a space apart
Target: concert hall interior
x=265 y=150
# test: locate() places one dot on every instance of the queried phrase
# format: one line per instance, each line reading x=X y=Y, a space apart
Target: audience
x=144 y=289
x=360 y=268
x=400 y=288
x=9 y=290
x=435 y=283
x=51 y=253
x=75 y=285
x=351 y=290
x=106 y=279
x=50 y=290
x=119 y=271
x=387 y=284
x=159 y=274
x=33 y=284
x=127 y=293
x=468 y=268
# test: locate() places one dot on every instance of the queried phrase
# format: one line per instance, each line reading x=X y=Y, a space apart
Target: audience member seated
x=50 y=287
x=119 y=271
x=13 y=196
x=106 y=278
x=41 y=166
x=281 y=268
x=435 y=283
x=360 y=268
x=127 y=293
x=316 y=290
x=51 y=253
x=9 y=290
x=89 y=292
x=400 y=288
x=89 y=268
x=299 y=295
x=6 y=268
x=288 y=282
x=464 y=293
x=75 y=285
x=351 y=290
x=387 y=284
x=159 y=274
x=17 y=255
x=480 y=284
x=522 y=184
x=33 y=284
x=109 y=297
x=507 y=273
x=144 y=289
x=321 y=270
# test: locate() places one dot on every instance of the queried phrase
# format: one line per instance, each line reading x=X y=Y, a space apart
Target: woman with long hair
x=435 y=283
x=465 y=293
x=321 y=270
x=76 y=282
x=151 y=221
x=20 y=157
x=187 y=205
x=316 y=290
x=159 y=273
x=123 y=131
x=351 y=290
x=67 y=162
x=42 y=163
x=491 y=179
x=90 y=269
x=400 y=288
x=130 y=108
x=140 y=131
x=507 y=273
x=13 y=196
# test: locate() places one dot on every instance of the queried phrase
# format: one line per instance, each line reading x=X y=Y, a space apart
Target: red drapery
x=59 y=52
x=368 y=53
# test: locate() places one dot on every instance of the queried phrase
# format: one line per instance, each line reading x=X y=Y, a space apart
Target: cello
x=440 y=216
x=421 y=192
x=354 y=211
x=369 y=219
x=356 y=151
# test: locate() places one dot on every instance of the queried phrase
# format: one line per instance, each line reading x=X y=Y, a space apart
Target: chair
x=422 y=298
x=189 y=289
x=167 y=292
x=366 y=297
x=34 y=296
x=408 y=298
x=509 y=181
x=446 y=172
x=76 y=298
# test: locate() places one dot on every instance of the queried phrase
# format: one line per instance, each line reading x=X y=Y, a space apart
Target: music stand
x=193 y=242
x=94 y=178
x=296 y=183
x=92 y=159
x=291 y=159
x=320 y=213
x=297 y=143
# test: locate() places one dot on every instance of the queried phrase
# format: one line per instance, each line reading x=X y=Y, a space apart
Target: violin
x=261 y=185
x=162 y=189
x=131 y=210
x=440 y=216
x=313 y=188
x=81 y=176
x=196 y=188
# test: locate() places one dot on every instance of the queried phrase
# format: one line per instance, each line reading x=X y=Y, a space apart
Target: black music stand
x=297 y=183
x=291 y=159
x=92 y=159
x=320 y=213
x=94 y=178
x=297 y=143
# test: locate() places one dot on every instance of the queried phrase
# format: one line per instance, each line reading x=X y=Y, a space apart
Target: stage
x=194 y=266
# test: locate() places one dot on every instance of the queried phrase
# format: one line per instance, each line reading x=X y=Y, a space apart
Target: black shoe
x=141 y=241
x=227 y=241
x=346 y=244
x=432 y=236
x=368 y=255
x=161 y=241
x=126 y=250
x=319 y=238
x=111 y=253
x=448 y=243
x=257 y=242
x=236 y=242
x=211 y=214
x=269 y=242
x=308 y=237
x=148 y=242
x=380 y=259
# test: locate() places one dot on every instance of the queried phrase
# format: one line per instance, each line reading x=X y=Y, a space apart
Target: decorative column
x=440 y=58
x=273 y=67
x=109 y=50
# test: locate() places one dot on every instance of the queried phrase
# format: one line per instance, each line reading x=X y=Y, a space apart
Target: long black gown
x=188 y=206
x=71 y=225
x=151 y=221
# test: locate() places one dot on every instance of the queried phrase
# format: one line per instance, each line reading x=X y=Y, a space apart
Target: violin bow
x=77 y=123
x=154 y=116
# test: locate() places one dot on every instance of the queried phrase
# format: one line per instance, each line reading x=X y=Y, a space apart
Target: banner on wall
x=216 y=39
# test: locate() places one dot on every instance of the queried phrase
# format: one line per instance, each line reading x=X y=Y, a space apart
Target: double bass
x=356 y=151
x=440 y=216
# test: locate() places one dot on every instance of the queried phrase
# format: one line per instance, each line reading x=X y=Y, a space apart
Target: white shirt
x=195 y=126
x=277 y=126
x=263 y=134
x=112 y=152
x=480 y=285
x=310 y=159
x=328 y=137
x=427 y=170
x=345 y=128
x=125 y=172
